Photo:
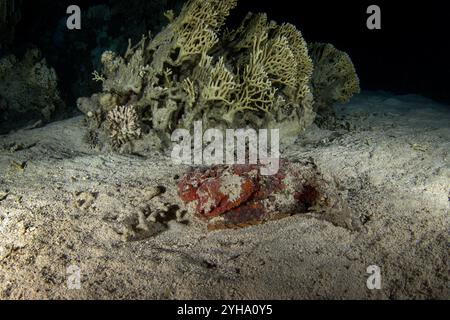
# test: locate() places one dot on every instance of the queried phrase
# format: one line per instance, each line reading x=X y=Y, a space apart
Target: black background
x=411 y=53
x=281 y=309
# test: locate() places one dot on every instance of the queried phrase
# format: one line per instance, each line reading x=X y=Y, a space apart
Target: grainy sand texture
x=63 y=204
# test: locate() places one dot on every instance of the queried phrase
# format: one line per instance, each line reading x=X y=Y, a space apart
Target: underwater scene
x=224 y=150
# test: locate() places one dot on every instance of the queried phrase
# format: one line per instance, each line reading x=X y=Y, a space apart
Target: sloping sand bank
x=63 y=204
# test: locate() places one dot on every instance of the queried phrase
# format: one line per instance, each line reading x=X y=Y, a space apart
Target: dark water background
x=411 y=54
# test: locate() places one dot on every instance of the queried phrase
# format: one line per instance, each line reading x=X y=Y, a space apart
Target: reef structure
x=258 y=75
x=334 y=79
x=28 y=91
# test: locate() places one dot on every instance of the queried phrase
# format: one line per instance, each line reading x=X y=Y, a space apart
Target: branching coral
x=334 y=79
x=275 y=61
x=304 y=65
x=123 y=77
x=220 y=85
x=252 y=26
x=193 y=32
x=123 y=123
x=256 y=90
x=257 y=75
x=189 y=89
x=280 y=63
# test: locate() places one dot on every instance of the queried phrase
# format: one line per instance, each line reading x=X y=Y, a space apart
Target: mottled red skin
x=210 y=191
x=203 y=186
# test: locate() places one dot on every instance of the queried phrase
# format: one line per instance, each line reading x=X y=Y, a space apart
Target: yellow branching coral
x=221 y=84
x=197 y=41
x=211 y=13
x=256 y=91
x=214 y=83
x=280 y=62
x=191 y=92
x=97 y=77
x=219 y=11
x=334 y=78
x=304 y=63
x=258 y=74
x=277 y=61
x=202 y=71
x=170 y=15
x=254 y=25
x=198 y=24
x=167 y=77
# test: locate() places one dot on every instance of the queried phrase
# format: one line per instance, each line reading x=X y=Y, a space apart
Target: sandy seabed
x=63 y=204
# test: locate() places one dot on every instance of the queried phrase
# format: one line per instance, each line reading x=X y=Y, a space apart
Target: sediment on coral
x=28 y=91
x=334 y=80
x=258 y=75
x=123 y=124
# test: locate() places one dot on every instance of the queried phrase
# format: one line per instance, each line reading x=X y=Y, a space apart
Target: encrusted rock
x=239 y=196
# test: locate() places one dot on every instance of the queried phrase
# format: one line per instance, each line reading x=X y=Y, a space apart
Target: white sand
x=75 y=206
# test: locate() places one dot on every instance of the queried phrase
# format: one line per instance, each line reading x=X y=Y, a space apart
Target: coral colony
x=234 y=90
x=28 y=86
x=262 y=75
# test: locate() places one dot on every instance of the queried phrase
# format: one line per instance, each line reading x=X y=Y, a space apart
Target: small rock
x=152 y=192
x=84 y=200
x=239 y=196
x=3 y=195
